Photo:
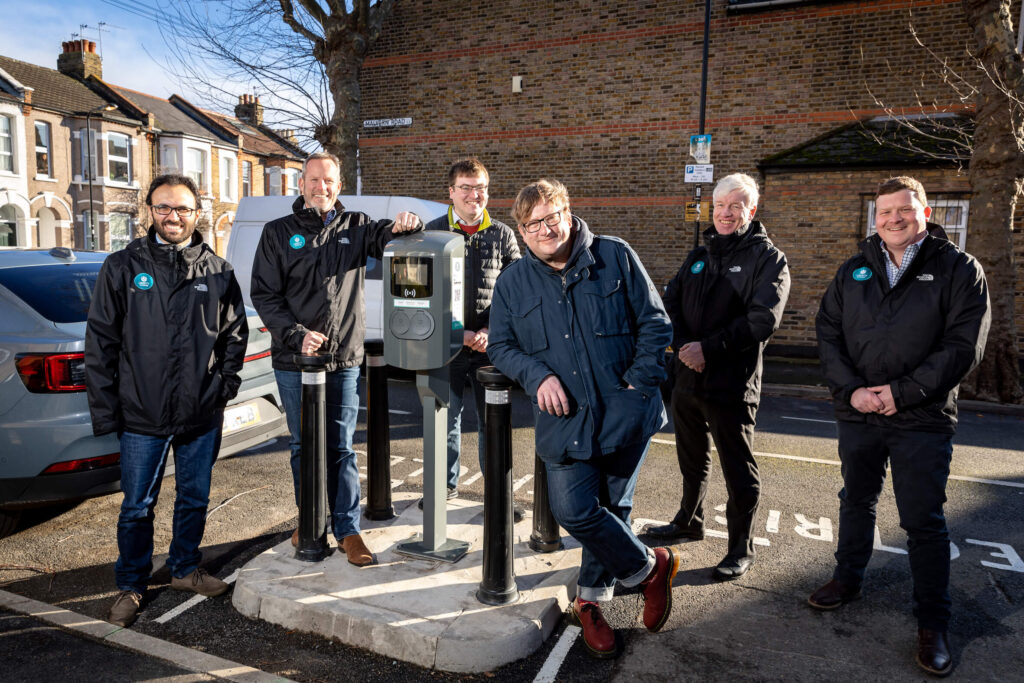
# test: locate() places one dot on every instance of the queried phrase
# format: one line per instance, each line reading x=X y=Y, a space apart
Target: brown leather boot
x=598 y=636
x=295 y=538
x=657 y=589
x=356 y=550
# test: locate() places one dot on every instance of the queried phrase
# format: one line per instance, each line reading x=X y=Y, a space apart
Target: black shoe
x=933 y=652
x=517 y=514
x=733 y=568
x=833 y=595
x=452 y=493
x=673 y=531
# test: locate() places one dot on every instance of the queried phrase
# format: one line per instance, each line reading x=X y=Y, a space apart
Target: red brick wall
x=611 y=95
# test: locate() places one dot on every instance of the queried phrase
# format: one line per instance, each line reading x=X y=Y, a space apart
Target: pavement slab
x=420 y=611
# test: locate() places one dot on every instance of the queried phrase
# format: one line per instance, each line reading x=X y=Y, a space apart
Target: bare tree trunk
x=995 y=175
x=341 y=135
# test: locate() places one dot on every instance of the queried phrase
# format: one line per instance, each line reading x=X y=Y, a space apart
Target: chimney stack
x=249 y=110
x=79 y=60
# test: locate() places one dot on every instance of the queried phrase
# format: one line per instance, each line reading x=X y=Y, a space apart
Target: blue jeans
x=592 y=500
x=463 y=372
x=342 y=392
x=920 y=468
x=143 y=459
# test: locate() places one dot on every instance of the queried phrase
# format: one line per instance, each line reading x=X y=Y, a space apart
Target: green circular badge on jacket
x=143 y=281
x=297 y=242
x=697 y=267
x=862 y=274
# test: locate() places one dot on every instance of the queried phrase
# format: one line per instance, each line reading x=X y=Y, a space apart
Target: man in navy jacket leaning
x=899 y=327
x=579 y=325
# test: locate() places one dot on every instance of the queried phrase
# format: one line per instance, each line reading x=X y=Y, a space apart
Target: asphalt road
x=757 y=628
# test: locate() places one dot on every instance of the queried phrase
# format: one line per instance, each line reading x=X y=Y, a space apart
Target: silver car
x=48 y=453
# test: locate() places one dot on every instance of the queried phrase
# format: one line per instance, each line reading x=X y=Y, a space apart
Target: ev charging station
x=423 y=329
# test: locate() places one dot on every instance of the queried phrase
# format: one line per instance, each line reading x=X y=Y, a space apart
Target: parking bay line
x=549 y=672
x=823 y=461
x=190 y=603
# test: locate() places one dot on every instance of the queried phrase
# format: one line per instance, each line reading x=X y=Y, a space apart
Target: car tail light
x=263 y=329
x=257 y=356
x=84 y=464
x=45 y=373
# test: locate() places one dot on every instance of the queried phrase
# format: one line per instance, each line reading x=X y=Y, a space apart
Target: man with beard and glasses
x=165 y=341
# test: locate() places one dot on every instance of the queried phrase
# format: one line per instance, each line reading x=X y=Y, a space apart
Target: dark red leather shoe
x=833 y=595
x=658 y=589
x=933 y=652
x=598 y=636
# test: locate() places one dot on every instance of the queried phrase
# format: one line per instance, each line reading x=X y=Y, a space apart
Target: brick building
x=604 y=95
x=69 y=205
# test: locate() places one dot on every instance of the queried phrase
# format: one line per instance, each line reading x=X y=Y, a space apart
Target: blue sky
x=131 y=52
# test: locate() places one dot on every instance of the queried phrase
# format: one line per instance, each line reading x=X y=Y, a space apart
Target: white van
x=255 y=212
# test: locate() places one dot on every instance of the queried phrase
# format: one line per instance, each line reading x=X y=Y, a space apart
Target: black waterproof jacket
x=488 y=252
x=729 y=295
x=920 y=337
x=308 y=276
x=165 y=339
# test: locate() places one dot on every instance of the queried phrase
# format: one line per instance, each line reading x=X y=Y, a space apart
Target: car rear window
x=61 y=292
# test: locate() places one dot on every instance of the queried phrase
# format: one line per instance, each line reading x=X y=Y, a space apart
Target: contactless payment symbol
x=862 y=274
x=297 y=242
x=143 y=280
x=697 y=267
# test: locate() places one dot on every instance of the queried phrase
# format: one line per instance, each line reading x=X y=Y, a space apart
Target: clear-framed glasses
x=551 y=220
x=165 y=210
x=470 y=189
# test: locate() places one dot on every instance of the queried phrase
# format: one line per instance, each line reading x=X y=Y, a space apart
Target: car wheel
x=8 y=521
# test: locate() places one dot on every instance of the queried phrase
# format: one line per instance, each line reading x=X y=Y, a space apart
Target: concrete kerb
x=415 y=610
x=813 y=392
x=115 y=636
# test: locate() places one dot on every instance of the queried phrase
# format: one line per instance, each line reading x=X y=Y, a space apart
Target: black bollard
x=545 y=537
x=498 y=586
x=312 y=545
x=378 y=434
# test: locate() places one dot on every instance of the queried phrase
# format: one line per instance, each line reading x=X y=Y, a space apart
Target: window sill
x=44 y=179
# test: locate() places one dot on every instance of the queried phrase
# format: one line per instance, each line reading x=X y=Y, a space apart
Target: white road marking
x=472 y=479
x=190 y=603
x=392 y=411
x=415 y=473
x=518 y=483
x=808 y=419
x=823 y=461
x=549 y=672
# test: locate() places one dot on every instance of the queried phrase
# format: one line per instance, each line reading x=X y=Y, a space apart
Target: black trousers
x=920 y=469
x=731 y=426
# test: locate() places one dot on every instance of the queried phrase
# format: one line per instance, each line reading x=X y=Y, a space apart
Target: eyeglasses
x=182 y=211
x=470 y=189
x=551 y=220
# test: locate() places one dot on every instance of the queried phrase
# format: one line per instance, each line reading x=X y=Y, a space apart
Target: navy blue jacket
x=920 y=337
x=598 y=325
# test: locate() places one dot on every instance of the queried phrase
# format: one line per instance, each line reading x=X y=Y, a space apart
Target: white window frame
x=290 y=175
x=272 y=178
x=246 y=179
x=114 y=158
x=90 y=232
x=228 y=177
x=8 y=155
x=202 y=173
x=11 y=224
x=951 y=210
x=85 y=137
x=46 y=148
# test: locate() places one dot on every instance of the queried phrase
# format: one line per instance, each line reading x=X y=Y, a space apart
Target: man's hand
x=692 y=356
x=884 y=394
x=312 y=342
x=405 y=222
x=475 y=340
x=864 y=400
x=551 y=397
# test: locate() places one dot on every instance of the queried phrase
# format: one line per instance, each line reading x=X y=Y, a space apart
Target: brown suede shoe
x=933 y=652
x=658 y=589
x=200 y=581
x=125 y=609
x=295 y=538
x=357 y=552
x=598 y=636
x=833 y=595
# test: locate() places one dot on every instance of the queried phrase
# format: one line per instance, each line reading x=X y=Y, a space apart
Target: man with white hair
x=725 y=303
